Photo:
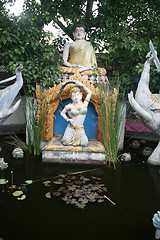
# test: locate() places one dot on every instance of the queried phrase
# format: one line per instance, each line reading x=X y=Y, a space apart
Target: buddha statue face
x=79 y=33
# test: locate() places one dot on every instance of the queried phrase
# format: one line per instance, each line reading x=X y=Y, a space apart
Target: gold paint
x=56 y=145
x=71 y=70
x=50 y=98
x=156 y=100
x=99 y=148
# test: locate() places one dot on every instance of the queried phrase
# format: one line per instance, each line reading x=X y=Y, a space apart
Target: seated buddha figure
x=80 y=53
x=75 y=134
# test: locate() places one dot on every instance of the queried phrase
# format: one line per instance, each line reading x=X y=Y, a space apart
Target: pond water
x=133 y=186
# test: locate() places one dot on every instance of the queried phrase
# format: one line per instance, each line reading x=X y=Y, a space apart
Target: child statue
x=77 y=110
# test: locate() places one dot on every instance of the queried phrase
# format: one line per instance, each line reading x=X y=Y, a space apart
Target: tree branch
x=61 y=25
x=88 y=14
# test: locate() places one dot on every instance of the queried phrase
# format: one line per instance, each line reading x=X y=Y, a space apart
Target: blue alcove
x=90 y=124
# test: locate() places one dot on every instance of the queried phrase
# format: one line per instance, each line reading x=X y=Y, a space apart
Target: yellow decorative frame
x=51 y=99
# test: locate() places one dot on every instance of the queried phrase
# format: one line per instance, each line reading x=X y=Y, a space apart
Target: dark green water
x=133 y=186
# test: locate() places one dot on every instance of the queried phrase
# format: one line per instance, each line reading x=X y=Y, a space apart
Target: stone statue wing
x=154 y=53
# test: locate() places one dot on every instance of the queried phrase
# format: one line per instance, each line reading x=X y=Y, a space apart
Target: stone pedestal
x=55 y=152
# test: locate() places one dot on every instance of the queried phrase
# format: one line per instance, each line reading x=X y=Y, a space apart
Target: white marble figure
x=147 y=105
x=8 y=94
x=75 y=133
x=79 y=53
x=156 y=224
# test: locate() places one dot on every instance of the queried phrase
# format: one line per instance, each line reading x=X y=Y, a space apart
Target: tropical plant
x=34 y=125
x=122 y=29
x=111 y=120
x=23 y=41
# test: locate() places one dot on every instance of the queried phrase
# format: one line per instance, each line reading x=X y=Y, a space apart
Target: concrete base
x=55 y=152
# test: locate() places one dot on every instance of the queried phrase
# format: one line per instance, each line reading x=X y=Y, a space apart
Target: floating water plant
x=3 y=181
x=22 y=197
x=48 y=195
x=77 y=190
x=28 y=181
x=17 y=193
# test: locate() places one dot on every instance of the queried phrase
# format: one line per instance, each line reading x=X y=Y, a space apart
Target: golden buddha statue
x=79 y=54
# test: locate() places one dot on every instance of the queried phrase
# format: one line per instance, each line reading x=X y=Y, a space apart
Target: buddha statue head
x=79 y=31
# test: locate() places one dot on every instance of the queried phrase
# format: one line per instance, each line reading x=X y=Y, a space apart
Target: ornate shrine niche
x=50 y=98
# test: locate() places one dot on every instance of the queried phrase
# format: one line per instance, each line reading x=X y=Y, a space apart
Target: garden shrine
x=79 y=63
x=55 y=125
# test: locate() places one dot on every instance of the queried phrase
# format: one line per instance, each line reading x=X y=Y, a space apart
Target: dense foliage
x=120 y=28
x=23 y=41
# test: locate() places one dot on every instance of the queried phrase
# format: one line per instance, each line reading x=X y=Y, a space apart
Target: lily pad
x=62 y=175
x=77 y=195
x=83 y=200
x=78 y=182
x=66 y=191
x=84 y=179
x=17 y=193
x=69 y=195
x=22 y=197
x=78 y=190
x=29 y=181
x=47 y=183
x=100 y=200
x=71 y=188
x=73 y=177
x=61 y=189
x=73 y=201
x=48 y=195
x=66 y=199
x=60 y=181
x=80 y=205
x=3 y=181
x=95 y=188
x=56 y=194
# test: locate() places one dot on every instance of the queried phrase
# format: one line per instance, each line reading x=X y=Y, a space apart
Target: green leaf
x=29 y=181
x=22 y=197
x=17 y=193
x=3 y=181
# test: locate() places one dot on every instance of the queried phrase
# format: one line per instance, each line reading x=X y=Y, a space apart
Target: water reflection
x=155 y=174
x=133 y=186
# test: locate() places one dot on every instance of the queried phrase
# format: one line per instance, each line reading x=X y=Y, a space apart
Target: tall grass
x=34 y=124
x=111 y=120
